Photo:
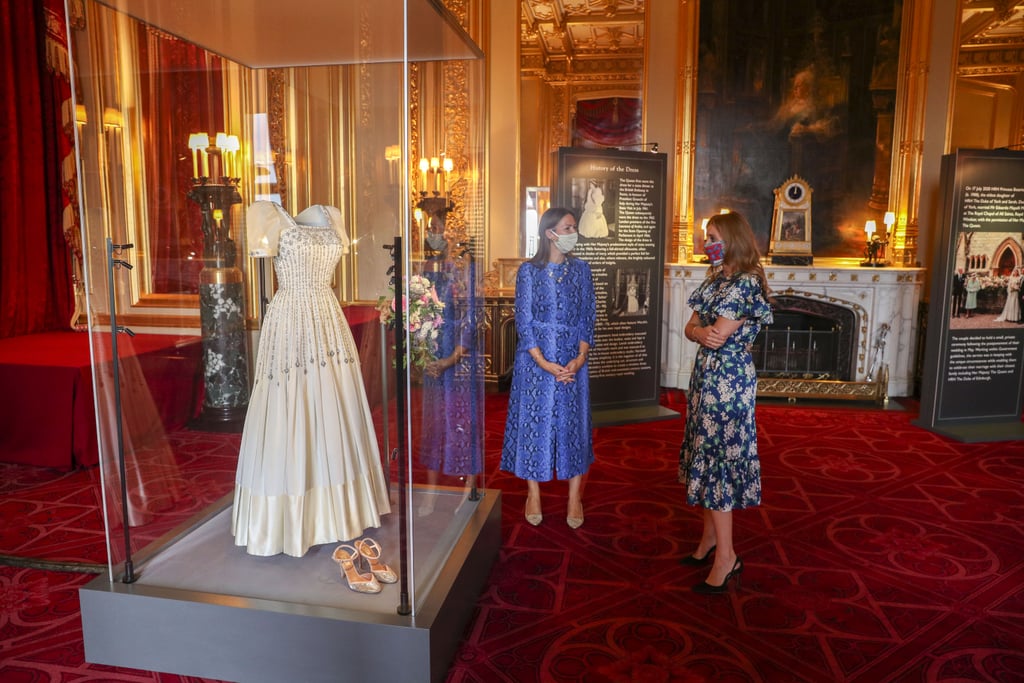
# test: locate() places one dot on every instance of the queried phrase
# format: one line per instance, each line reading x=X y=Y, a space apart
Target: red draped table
x=48 y=415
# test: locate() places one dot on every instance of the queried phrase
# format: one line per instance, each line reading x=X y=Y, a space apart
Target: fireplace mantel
x=878 y=297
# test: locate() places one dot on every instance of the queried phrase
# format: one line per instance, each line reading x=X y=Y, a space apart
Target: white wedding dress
x=593 y=222
x=309 y=469
x=1011 y=310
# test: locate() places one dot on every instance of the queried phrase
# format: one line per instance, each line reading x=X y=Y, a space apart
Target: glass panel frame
x=340 y=134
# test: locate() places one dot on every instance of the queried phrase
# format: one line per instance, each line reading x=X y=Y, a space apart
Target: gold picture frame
x=790 y=243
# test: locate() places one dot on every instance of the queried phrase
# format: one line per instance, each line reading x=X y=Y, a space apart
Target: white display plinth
x=202 y=607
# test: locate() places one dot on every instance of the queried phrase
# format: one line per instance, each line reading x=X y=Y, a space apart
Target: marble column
x=222 y=313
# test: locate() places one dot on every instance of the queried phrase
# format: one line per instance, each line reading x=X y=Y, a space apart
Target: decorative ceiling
x=582 y=38
x=991 y=37
x=576 y=39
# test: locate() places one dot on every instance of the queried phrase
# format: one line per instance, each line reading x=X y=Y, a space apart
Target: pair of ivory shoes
x=573 y=522
x=367 y=550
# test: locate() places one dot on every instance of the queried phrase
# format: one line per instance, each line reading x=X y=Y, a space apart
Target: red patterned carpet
x=882 y=552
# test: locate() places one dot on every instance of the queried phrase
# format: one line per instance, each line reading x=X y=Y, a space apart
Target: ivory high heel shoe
x=575 y=522
x=370 y=550
x=705 y=588
x=346 y=556
x=533 y=518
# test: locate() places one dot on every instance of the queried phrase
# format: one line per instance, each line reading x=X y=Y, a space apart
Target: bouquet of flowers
x=993 y=282
x=423 y=318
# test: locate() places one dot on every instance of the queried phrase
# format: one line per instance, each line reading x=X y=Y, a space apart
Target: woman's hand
x=437 y=367
x=574 y=366
x=710 y=337
x=561 y=372
x=576 y=363
x=715 y=335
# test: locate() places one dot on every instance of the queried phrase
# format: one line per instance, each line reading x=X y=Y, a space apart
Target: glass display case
x=293 y=194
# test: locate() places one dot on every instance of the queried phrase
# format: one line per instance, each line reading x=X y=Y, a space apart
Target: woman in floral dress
x=718 y=460
x=548 y=430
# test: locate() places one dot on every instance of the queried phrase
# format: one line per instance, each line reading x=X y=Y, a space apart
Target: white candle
x=424 y=165
x=447 y=167
x=196 y=142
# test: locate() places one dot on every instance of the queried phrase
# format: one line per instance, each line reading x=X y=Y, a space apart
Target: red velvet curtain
x=35 y=275
x=181 y=92
x=608 y=122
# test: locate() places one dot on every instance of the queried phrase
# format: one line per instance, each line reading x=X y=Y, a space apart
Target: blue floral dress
x=548 y=431
x=718 y=460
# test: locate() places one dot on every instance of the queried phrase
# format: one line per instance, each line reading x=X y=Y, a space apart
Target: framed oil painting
x=797 y=88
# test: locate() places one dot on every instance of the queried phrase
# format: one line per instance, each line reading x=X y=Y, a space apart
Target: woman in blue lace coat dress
x=718 y=460
x=548 y=432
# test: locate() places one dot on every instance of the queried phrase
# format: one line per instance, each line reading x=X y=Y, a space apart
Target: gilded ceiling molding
x=989 y=62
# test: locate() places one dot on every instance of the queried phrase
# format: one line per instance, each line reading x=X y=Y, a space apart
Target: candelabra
x=431 y=202
x=221 y=290
x=874 y=250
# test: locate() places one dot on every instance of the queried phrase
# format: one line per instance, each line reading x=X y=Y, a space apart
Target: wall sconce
x=112 y=118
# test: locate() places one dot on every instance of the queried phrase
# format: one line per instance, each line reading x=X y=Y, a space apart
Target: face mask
x=566 y=243
x=436 y=241
x=715 y=251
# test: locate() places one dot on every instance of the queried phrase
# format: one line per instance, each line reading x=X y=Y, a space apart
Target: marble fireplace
x=841 y=331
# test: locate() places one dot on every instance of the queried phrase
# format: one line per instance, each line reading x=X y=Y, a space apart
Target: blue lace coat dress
x=718 y=460
x=453 y=403
x=548 y=431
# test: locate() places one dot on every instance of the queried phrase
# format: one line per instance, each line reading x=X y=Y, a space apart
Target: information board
x=619 y=200
x=974 y=356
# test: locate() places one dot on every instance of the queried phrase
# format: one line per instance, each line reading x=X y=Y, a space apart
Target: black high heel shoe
x=705 y=588
x=693 y=561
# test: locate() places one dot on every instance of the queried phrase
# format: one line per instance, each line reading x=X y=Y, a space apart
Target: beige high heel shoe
x=533 y=518
x=575 y=522
x=346 y=556
x=370 y=550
